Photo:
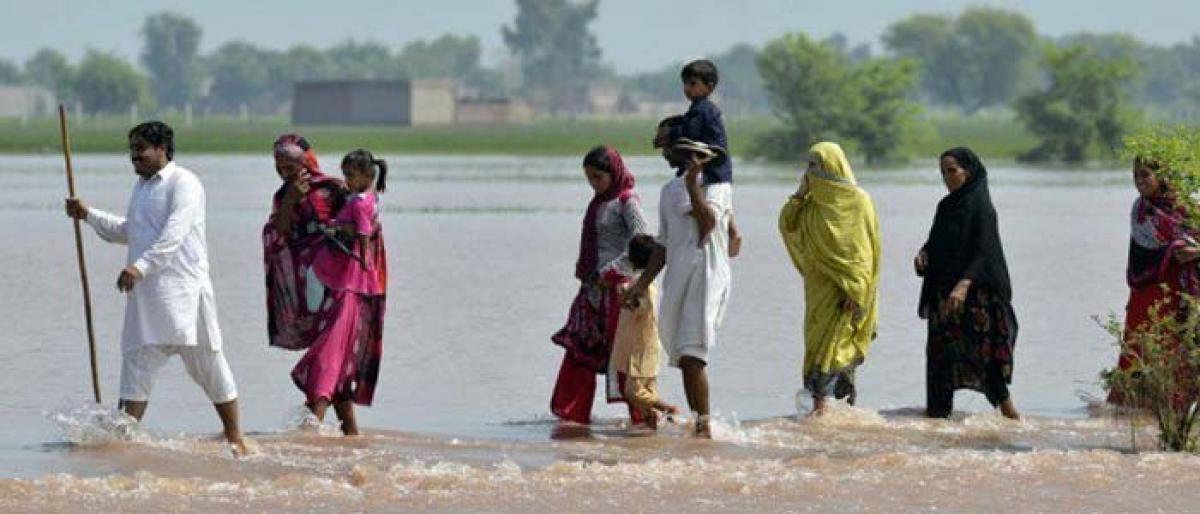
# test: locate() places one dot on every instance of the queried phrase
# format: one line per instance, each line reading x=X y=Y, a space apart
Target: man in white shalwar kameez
x=694 y=228
x=170 y=309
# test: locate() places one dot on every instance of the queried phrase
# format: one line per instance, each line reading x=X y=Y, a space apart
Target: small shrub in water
x=1161 y=379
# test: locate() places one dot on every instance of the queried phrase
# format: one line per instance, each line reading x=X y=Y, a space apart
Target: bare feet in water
x=819 y=406
x=671 y=412
x=651 y=419
x=238 y=448
x=310 y=424
x=1008 y=410
x=703 y=427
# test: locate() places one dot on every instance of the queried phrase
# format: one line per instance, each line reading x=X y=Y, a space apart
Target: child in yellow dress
x=636 y=345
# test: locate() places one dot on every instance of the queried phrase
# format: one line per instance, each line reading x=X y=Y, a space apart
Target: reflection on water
x=482 y=252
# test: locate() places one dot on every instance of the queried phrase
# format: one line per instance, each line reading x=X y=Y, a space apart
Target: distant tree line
x=1079 y=91
x=1080 y=95
x=173 y=73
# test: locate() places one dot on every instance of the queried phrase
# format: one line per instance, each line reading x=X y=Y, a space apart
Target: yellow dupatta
x=832 y=236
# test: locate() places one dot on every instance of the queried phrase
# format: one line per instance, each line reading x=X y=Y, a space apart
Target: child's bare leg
x=133 y=408
x=345 y=412
x=666 y=408
x=651 y=417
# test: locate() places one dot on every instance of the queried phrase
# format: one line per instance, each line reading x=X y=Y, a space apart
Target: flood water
x=482 y=253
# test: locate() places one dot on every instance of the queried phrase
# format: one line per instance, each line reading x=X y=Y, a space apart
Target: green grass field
x=995 y=139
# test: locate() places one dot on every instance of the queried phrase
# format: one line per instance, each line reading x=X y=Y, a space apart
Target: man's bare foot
x=350 y=429
x=238 y=447
x=1008 y=410
x=703 y=427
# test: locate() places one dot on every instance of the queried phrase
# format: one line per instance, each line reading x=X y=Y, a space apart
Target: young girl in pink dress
x=342 y=366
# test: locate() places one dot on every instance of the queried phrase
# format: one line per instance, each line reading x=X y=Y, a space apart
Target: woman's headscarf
x=834 y=165
x=293 y=147
x=620 y=186
x=323 y=198
x=964 y=241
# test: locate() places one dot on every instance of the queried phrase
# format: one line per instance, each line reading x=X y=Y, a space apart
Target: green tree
x=366 y=60
x=50 y=69
x=10 y=73
x=559 y=55
x=170 y=53
x=981 y=59
x=1106 y=46
x=1082 y=106
x=109 y=84
x=884 y=118
x=820 y=94
x=807 y=83
x=242 y=75
x=299 y=63
x=449 y=56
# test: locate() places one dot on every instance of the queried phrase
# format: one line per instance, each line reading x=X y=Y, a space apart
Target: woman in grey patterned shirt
x=613 y=217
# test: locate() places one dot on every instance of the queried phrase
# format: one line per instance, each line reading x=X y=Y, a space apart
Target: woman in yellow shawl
x=831 y=232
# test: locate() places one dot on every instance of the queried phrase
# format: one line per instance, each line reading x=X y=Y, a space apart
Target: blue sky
x=635 y=35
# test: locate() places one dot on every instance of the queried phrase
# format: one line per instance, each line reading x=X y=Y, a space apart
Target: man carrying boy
x=694 y=229
x=695 y=226
x=702 y=122
x=171 y=309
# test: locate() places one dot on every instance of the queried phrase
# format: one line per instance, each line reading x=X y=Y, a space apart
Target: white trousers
x=207 y=367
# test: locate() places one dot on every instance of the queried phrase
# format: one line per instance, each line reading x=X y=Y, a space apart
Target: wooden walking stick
x=83 y=277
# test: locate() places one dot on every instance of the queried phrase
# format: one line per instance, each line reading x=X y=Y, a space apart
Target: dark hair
x=598 y=158
x=156 y=133
x=362 y=160
x=702 y=69
x=641 y=247
x=1153 y=164
x=967 y=159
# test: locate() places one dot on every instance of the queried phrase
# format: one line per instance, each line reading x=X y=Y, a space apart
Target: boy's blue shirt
x=702 y=122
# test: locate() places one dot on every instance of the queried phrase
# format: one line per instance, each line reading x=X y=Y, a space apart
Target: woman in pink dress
x=343 y=279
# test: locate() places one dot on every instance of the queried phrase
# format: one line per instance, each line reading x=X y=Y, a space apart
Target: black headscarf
x=964 y=241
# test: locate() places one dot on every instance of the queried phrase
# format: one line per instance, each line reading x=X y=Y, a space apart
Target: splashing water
x=91 y=424
x=300 y=419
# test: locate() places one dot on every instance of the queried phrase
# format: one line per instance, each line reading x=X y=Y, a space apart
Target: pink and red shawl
x=291 y=324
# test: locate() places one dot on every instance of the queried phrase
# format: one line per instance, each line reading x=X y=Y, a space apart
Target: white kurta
x=173 y=304
x=696 y=282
